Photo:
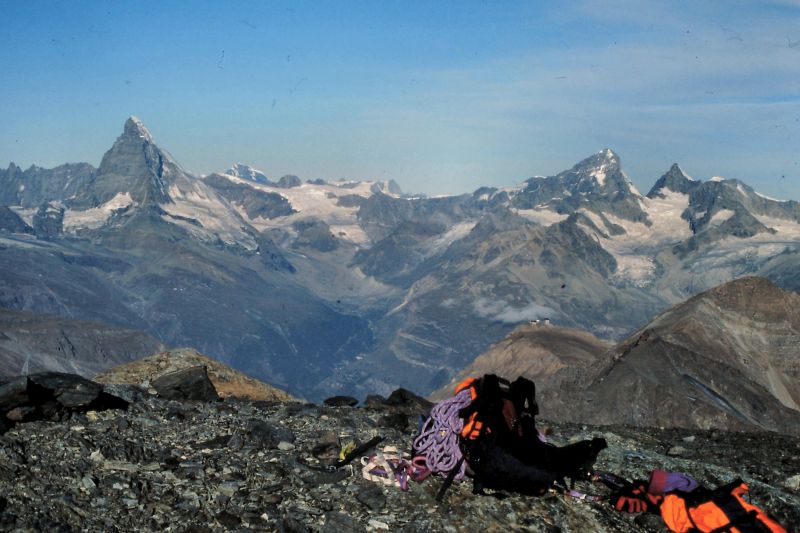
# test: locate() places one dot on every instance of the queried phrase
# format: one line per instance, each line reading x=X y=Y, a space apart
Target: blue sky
x=441 y=96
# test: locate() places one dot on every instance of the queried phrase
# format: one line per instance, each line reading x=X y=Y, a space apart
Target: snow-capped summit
x=246 y=172
x=596 y=183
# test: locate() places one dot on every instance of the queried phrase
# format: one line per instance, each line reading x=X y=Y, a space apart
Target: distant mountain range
x=354 y=287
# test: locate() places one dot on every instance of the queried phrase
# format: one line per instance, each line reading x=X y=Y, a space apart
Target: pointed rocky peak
x=134 y=166
x=136 y=129
x=676 y=171
x=599 y=166
x=676 y=180
x=596 y=183
x=599 y=174
x=609 y=154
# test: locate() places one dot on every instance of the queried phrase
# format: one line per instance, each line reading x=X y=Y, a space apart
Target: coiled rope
x=438 y=440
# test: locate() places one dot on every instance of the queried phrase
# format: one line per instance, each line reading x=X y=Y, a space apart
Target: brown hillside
x=540 y=352
x=227 y=381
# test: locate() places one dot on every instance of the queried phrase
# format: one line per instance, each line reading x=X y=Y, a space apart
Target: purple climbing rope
x=438 y=439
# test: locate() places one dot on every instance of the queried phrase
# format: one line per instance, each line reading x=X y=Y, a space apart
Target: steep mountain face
x=33 y=342
x=135 y=167
x=597 y=183
x=35 y=186
x=724 y=207
x=725 y=358
x=352 y=287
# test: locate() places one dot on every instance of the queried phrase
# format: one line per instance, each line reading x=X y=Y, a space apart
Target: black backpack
x=503 y=447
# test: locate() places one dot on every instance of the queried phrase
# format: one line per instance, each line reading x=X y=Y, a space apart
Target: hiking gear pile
x=489 y=427
x=488 y=430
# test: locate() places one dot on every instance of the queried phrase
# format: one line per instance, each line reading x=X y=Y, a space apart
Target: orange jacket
x=726 y=511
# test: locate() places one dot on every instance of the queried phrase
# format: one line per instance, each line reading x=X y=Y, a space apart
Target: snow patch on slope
x=721 y=216
x=216 y=218
x=25 y=213
x=351 y=233
x=545 y=217
x=764 y=196
x=316 y=201
x=786 y=228
x=97 y=216
x=600 y=175
x=635 y=250
x=457 y=232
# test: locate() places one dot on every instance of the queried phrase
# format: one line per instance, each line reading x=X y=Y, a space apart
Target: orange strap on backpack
x=636 y=500
x=472 y=426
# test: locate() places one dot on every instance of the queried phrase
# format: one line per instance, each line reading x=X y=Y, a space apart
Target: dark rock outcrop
x=186 y=384
x=288 y=181
x=341 y=401
x=51 y=395
x=315 y=234
x=12 y=222
x=255 y=202
x=48 y=221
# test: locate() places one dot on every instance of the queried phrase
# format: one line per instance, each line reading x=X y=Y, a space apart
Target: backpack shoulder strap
x=523 y=394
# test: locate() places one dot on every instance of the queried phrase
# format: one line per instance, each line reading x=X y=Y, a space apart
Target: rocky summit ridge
x=167 y=463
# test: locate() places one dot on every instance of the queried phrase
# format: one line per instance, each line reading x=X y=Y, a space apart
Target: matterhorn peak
x=136 y=128
x=608 y=154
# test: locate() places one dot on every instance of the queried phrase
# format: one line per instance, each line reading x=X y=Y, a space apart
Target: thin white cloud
x=503 y=312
